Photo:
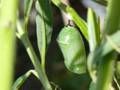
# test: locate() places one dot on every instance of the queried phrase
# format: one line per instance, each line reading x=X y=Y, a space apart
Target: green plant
x=7 y=42
x=104 y=46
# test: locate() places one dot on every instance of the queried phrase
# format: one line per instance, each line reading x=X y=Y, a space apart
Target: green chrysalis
x=72 y=47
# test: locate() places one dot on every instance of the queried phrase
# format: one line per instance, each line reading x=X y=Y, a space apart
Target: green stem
x=8 y=14
x=25 y=40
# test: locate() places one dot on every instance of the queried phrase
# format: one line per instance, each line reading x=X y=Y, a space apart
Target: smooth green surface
x=8 y=13
x=7 y=44
x=73 y=49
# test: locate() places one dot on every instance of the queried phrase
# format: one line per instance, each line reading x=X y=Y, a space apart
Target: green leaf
x=27 y=7
x=104 y=49
x=117 y=82
x=43 y=8
x=20 y=81
x=118 y=69
x=93 y=30
x=106 y=72
x=103 y=2
x=60 y=5
x=44 y=26
x=78 y=21
x=112 y=24
x=72 y=47
x=92 y=86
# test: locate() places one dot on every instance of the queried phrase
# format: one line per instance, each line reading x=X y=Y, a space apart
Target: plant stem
x=8 y=13
x=41 y=73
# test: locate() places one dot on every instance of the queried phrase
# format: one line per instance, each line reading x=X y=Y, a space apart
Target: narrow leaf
x=103 y=2
x=44 y=26
x=27 y=7
x=111 y=24
x=93 y=30
x=78 y=21
x=43 y=8
x=20 y=81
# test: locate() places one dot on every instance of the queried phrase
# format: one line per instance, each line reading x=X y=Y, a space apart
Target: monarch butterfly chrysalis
x=72 y=47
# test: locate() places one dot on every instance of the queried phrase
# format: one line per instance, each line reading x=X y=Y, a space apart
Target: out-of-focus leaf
x=106 y=47
x=118 y=69
x=27 y=7
x=117 y=82
x=19 y=82
x=73 y=49
x=60 y=5
x=103 y=2
x=93 y=30
x=100 y=52
x=92 y=86
x=106 y=72
x=8 y=10
x=111 y=24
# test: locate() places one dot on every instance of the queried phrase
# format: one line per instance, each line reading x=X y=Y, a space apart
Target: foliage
x=104 y=46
